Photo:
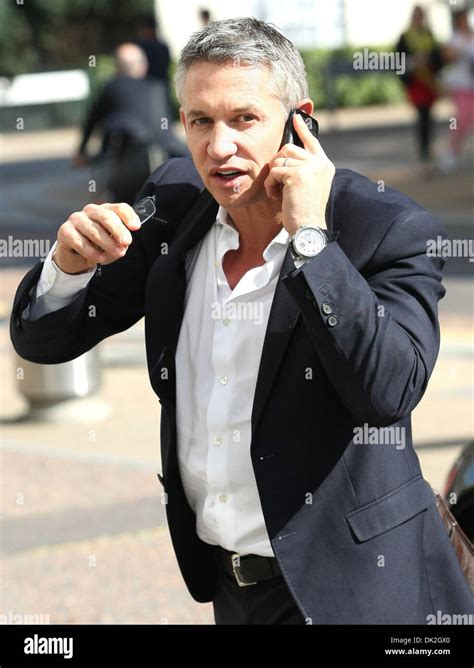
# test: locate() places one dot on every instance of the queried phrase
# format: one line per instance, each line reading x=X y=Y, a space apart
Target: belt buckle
x=235 y=566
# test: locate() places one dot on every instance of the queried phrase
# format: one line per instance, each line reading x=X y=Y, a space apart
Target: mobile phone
x=289 y=134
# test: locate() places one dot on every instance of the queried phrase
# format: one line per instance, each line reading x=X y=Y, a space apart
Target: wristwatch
x=308 y=241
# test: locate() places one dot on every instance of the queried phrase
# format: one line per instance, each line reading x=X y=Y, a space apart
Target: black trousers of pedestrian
x=267 y=602
x=424 y=131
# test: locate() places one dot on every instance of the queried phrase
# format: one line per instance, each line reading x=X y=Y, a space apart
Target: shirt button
x=226 y=322
x=223 y=380
x=332 y=321
x=218 y=440
x=326 y=308
x=222 y=498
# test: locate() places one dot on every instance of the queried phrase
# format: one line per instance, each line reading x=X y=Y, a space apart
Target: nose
x=221 y=142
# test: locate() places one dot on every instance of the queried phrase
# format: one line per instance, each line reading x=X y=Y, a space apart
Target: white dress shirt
x=217 y=361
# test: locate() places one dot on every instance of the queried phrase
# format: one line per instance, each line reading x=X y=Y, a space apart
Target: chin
x=231 y=199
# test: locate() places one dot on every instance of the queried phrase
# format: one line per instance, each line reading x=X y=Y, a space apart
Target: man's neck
x=257 y=226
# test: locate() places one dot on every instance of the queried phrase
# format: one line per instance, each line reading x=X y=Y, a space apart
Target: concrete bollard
x=63 y=392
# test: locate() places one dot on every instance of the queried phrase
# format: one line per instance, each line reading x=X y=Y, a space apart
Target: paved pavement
x=84 y=536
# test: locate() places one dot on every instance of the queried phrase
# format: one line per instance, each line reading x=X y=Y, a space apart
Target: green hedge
x=357 y=90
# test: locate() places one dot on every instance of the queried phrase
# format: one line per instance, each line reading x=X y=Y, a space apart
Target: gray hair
x=248 y=41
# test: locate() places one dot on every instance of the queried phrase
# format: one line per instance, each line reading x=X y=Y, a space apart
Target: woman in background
x=423 y=61
x=459 y=82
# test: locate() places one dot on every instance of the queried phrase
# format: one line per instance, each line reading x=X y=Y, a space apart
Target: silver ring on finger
x=285 y=161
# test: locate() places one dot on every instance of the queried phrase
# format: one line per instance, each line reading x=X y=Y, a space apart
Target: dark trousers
x=267 y=602
x=424 y=131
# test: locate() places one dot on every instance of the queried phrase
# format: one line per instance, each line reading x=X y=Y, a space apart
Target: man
x=131 y=108
x=287 y=311
x=155 y=48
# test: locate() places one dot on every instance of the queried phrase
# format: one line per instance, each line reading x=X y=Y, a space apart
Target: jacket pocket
x=391 y=510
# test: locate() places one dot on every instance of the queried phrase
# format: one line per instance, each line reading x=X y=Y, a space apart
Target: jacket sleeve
x=95 y=115
x=110 y=303
x=377 y=335
x=115 y=300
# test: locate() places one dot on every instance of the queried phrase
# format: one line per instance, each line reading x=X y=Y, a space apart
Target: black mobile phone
x=289 y=133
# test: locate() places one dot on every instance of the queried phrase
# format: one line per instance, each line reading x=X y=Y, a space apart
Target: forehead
x=227 y=84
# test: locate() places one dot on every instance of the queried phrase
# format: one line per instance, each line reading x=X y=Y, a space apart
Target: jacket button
x=326 y=308
x=332 y=321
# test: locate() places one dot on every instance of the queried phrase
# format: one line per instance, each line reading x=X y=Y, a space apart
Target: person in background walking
x=155 y=48
x=121 y=111
x=205 y=17
x=459 y=82
x=423 y=62
x=129 y=111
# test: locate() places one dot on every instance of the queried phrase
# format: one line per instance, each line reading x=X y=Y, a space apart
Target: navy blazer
x=351 y=342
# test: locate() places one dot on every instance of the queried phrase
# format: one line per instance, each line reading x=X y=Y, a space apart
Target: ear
x=306 y=105
x=182 y=117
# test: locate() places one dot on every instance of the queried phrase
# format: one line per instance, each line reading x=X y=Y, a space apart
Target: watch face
x=309 y=242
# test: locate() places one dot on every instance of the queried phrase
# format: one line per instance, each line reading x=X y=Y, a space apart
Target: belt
x=248 y=569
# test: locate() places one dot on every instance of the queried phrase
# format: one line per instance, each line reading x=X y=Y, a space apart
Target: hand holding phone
x=301 y=174
x=289 y=134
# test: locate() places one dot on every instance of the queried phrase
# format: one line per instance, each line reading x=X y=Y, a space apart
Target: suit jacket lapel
x=284 y=315
x=165 y=292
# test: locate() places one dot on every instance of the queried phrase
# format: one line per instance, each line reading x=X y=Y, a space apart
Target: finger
x=110 y=221
x=80 y=245
x=289 y=151
x=97 y=235
x=310 y=142
x=286 y=162
x=292 y=151
x=129 y=217
x=274 y=181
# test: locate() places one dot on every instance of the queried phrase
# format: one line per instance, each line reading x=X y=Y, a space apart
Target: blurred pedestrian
x=155 y=48
x=459 y=81
x=159 y=59
x=423 y=62
x=129 y=109
x=205 y=17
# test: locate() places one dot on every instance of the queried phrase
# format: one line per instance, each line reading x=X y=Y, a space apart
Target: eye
x=200 y=121
x=246 y=117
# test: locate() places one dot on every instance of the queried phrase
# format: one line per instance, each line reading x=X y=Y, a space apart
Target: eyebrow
x=236 y=110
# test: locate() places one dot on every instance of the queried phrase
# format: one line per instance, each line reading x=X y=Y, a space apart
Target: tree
x=39 y=35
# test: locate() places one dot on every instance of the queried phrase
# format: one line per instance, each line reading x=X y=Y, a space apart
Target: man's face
x=233 y=122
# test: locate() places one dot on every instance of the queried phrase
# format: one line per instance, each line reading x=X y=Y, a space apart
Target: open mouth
x=228 y=177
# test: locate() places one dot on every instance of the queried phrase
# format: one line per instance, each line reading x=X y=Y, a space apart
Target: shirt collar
x=281 y=239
